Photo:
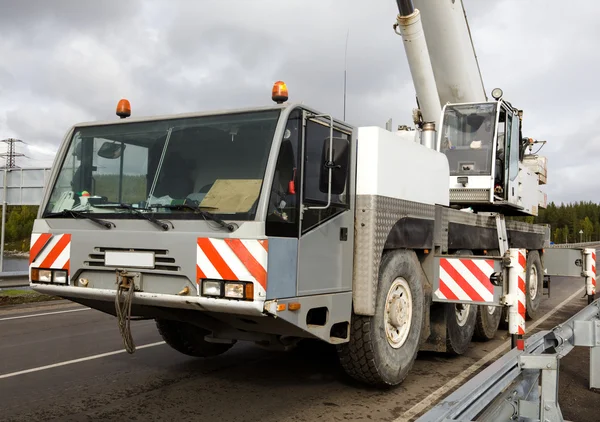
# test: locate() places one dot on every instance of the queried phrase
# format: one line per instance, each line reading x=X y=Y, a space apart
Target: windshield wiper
x=229 y=226
x=137 y=211
x=82 y=214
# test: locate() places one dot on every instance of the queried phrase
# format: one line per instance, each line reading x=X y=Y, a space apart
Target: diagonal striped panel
x=521 y=292
x=466 y=279
x=594 y=271
x=232 y=259
x=51 y=251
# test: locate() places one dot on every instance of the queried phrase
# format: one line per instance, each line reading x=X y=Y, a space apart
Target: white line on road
x=43 y=314
x=69 y=362
x=440 y=392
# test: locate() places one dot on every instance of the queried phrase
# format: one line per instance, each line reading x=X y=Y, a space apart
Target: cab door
x=325 y=250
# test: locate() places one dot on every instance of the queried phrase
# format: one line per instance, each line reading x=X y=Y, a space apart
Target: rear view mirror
x=338 y=166
x=111 y=150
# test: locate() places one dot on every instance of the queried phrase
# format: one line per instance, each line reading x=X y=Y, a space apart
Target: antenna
x=345 y=70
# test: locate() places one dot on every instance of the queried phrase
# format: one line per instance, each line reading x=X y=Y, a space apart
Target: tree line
x=19 y=225
x=570 y=223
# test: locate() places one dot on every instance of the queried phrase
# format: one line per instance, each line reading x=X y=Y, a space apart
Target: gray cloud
x=70 y=61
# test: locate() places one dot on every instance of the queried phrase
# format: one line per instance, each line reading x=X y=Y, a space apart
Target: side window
x=284 y=204
x=314 y=195
x=514 y=149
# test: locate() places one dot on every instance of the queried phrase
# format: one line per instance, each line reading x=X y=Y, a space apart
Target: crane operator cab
x=485 y=151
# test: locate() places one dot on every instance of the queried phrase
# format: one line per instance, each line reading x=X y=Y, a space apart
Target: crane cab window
x=467 y=138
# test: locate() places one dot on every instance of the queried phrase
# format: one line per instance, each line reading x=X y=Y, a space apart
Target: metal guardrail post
x=595 y=367
x=590 y=273
x=515 y=299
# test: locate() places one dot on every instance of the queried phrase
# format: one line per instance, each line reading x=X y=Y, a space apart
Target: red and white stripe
x=49 y=251
x=233 y=260
x=466 y=279
x=516 y=298
x=590 y=271
x=521 y=297
x=594 y=272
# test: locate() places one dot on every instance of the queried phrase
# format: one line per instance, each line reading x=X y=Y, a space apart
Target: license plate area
x=129 y=259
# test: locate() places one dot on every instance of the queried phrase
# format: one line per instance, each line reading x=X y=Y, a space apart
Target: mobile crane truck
x=282 y=223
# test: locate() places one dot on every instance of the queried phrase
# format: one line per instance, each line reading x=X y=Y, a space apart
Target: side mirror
x=338 y=166
x=111 y=150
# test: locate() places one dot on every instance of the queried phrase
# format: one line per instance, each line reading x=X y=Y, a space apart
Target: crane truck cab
x=489 y=170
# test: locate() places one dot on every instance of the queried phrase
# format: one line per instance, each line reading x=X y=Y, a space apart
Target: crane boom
x=440 y=54
x=452 y=53
x=409 y=26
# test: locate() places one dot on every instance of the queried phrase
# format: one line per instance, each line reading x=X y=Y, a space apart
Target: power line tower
x=11 y=152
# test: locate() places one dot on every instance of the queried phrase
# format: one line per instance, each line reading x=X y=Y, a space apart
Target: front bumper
x=228 y=306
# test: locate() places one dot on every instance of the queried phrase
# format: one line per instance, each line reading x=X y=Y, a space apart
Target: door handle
x=344 y=234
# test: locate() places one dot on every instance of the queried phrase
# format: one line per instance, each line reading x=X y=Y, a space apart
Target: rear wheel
x=460 y=322
x=460 y=326
x=488 y=317
x=383 y=347
x=189 y=339
x=534 y=284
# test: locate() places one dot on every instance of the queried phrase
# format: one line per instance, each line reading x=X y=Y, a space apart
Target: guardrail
x=14 y=279
x=509 y=389
x=575 y=245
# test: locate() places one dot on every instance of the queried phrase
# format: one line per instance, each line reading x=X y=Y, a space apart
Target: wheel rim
x=462 y=313
x=533 y=282
x=398 y=313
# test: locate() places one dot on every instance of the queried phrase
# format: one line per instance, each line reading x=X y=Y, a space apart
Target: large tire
x=460 y=322
x=534 y=284
x=488 y=317
x=383 y=347
x=189 y=339
x=460 y=326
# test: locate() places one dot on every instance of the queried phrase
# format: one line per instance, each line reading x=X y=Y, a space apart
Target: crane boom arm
x=453 y=58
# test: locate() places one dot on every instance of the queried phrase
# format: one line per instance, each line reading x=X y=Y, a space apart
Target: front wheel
x=383 y=347
x=189 y=339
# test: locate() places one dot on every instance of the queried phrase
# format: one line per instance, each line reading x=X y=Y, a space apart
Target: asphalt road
x=245 y=384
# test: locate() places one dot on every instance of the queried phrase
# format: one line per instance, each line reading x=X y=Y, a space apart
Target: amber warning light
x=280 y=92
x=123 y=108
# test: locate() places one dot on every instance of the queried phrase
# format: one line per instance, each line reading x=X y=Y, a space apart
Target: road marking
x=438 y=394
x=70 y=362
x=44 y=314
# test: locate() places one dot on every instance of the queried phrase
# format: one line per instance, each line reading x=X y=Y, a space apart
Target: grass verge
x=18 y=297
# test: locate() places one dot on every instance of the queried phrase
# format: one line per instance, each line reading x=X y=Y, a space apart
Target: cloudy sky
x=66 y=61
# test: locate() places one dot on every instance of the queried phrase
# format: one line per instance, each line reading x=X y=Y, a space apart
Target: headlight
x=39 y=275
x=60 y=277
x=211 y=288
x=45 y=276
x=234 y=290
x=239 y=290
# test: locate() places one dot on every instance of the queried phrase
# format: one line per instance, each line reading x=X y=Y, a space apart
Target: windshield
x=467 y=137
x=216 y=162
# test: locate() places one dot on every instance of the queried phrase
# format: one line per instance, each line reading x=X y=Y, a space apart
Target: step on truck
x=282 y=223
